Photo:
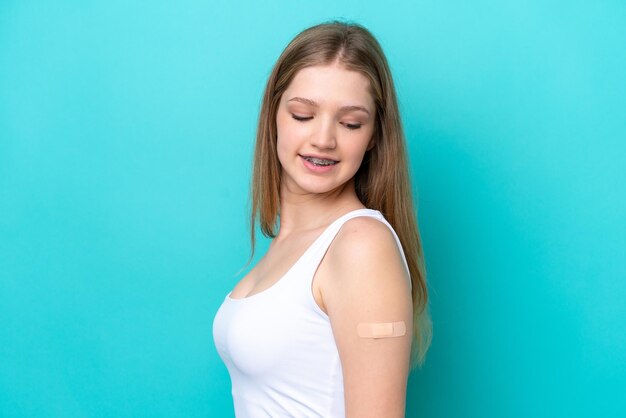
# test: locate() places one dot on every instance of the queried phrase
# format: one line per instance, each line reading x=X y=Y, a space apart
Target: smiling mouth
x=320 y=161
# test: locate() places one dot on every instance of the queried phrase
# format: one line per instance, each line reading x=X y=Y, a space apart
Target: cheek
x=280 y=137
x=360 y=145
x=286 y=147
x=288 y=136
x=280 y=149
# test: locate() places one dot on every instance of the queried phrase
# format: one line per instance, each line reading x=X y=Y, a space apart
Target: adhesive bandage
x=381 y=329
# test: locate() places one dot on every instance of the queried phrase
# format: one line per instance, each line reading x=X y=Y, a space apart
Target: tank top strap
x=321 y=245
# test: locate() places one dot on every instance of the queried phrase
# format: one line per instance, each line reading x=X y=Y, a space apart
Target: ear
x=371 y=144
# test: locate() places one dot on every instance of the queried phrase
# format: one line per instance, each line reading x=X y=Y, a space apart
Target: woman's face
x=325 y=122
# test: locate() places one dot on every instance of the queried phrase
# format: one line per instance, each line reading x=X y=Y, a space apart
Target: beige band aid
x=381 y=329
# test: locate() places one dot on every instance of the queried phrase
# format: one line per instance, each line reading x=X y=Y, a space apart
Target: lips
x=319 y=160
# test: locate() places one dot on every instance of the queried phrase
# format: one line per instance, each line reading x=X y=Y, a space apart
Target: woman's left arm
x=369 y=284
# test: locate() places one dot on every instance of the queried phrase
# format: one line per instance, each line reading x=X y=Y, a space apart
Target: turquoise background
x=126 y=131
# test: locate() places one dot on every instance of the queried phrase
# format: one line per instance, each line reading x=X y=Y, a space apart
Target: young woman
x=334 y=316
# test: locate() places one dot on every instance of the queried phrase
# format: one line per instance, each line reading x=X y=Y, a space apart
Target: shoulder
x=365 y=260
x=367 y=241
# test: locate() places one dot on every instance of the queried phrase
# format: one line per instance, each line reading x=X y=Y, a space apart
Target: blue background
x=126 y=132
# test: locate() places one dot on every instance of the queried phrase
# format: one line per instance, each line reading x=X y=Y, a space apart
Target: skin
x=328 y=111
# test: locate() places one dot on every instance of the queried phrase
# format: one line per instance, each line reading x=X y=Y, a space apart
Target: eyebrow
x=315 y=104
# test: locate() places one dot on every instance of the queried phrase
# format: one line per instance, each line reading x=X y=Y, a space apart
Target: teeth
x=320 y=161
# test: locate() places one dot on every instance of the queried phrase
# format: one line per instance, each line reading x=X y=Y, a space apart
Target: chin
x=313 y=185
x=321 y=188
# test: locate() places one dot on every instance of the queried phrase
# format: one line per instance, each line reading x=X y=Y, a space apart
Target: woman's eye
x=301 y=118
x=352 y=125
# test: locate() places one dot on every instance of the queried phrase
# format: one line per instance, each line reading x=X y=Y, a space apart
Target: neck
x=302 y=212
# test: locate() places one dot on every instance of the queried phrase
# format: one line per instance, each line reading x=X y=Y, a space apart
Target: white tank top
x=278 y=344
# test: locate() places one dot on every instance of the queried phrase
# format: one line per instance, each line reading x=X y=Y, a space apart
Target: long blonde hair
x=382 y=182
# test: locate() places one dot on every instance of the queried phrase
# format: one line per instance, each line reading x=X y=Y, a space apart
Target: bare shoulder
x=364 y=235
x=365 y=264
x=365 y=243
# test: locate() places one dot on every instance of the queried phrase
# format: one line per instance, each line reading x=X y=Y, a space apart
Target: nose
x=324 y=135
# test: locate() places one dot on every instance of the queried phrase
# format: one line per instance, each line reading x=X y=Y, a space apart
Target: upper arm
x=368 y=282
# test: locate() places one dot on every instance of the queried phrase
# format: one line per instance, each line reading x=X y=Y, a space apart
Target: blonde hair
x=382 y=182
